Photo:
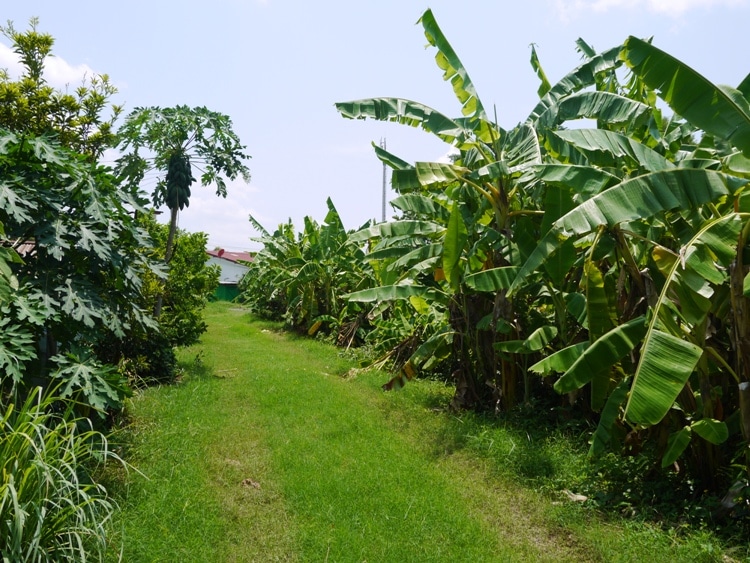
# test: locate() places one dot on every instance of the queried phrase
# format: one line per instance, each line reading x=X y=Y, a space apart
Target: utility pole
x=382 y=146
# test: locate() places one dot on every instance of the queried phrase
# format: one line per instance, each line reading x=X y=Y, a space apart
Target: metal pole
x=382 y=146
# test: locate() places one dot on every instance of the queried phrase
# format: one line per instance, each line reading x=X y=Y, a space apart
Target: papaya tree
x=177 y=140
x=75 y=272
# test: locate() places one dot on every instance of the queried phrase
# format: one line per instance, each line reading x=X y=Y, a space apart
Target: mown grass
x=266 y=453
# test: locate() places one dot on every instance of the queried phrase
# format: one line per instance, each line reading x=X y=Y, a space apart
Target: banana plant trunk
x=741 y=326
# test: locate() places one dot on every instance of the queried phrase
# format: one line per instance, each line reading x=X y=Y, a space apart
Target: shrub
x=50 y=507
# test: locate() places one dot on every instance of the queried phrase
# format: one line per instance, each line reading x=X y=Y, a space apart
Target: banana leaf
x=602 y=354
x=587 y=181
x=676 y=444
x=667 y=360
x=453 y=68
x=608 y=148
x=603 y=433
x=395 y=229
x=634 y=199
x=493 y=280
x=405 y=112
x=396 y=292
x=713 y=431
x=422 y=205
x=720 y=111
x=430 y=173
x=581 y=77
x=545 y=85
x=604 y=106
x=561 y=360
x=453 y=245
x=390 y=159
x=536 y=341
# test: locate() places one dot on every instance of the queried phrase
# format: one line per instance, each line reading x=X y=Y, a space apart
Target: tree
x=304 y=279
x=189 y=284
x=32 y=106
x=78 y=280
x=179 y=138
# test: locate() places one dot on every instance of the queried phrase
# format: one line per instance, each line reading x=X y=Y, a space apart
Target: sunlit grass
x=265 y=452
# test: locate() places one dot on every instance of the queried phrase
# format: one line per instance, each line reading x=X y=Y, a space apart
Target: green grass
x=266 y=453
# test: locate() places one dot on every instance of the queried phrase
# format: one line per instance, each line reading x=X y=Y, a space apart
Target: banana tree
x=179 y=139
x=673 y=206
x=513 y=176
x=481 y=196
x=723 y=113
x=305 y=276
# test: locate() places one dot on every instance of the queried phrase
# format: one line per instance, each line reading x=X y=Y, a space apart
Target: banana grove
x=597 y=249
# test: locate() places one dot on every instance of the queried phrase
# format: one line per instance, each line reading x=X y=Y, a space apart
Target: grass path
x=265 y=453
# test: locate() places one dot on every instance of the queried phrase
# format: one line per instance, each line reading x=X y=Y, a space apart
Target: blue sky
x=278 y=66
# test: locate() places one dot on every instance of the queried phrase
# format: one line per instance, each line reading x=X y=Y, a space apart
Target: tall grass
x=50 y=508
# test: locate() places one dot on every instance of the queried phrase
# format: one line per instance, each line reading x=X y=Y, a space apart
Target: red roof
x=231 y=256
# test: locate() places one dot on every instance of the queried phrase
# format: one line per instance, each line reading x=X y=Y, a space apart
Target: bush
x=188 y=286
x=50 y=507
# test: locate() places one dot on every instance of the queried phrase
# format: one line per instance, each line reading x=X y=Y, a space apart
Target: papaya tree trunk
x=168 y=251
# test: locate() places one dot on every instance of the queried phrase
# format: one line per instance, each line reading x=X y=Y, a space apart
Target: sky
x=277 y=67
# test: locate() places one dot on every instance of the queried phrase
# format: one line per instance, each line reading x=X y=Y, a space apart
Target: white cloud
x=58 y=72
x=9 y=60
x=567 y=9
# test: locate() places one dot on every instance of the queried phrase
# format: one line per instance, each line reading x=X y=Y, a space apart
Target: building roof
x=231 y=256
